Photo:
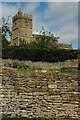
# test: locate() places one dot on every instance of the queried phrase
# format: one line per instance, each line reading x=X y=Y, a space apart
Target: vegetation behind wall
x=47 y=55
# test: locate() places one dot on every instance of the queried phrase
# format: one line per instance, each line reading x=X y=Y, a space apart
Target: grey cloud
x=64 y=16
x=30 y=8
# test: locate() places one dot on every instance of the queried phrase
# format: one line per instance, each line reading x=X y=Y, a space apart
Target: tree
x=5 y=42
x=5 y=26
x=22 y=43
x=47 y=40
x=5 y=31
x=79 y=59
x=32 y=45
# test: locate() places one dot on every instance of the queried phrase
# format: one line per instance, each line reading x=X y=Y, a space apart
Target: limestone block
x=52 y=86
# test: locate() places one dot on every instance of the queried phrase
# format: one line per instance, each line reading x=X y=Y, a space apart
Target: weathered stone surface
x=49 y=94
x=44 y=65
x=52 y=86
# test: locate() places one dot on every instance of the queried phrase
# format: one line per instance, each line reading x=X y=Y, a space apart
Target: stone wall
x=52 y=40
x=66 y=46
x=43 y=93
x=44 y=65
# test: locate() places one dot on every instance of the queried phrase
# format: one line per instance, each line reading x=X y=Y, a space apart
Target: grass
x=23 y=66
x=8 y=118
x=17 y=118
x=22 y=118
x=72 y=71
x=36 y=68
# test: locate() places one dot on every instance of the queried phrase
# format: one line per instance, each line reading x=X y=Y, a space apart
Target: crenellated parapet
x=27 y=16
x=22 y=28
x=65 y=46
x=23 y=16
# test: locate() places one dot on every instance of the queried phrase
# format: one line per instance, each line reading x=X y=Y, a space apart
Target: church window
x=26 y=23
x=15 y=23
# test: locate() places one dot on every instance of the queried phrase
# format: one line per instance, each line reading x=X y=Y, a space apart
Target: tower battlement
x=15 y=17
x=25 y=16
x=22 y=28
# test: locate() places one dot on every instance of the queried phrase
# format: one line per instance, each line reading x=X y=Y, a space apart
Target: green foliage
x=23 y=66
x=23 y=53
x=32 y=45
x=38 y=51
x=27 y=67
x=47 y=40
x=5 y=26
x=22 y=43
x=5 y=31
x=5 y=42
x=22 y=118
x=72 y=71
x=36 y=68
x=79 y=54
x=16 y=118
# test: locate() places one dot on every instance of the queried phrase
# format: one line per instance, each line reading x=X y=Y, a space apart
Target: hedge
x=22 y=53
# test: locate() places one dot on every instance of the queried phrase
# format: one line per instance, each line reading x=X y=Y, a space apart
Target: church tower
x=22 y=28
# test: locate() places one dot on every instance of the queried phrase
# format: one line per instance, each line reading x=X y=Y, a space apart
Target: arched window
x=15 y=23
x=26 y=23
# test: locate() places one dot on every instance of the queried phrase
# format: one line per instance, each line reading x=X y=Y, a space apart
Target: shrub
x=36 y=68
x=23 y=53
x=23 y=66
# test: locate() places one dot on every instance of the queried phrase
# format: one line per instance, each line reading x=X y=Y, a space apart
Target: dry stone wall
x=37 y=94
x=44 y=65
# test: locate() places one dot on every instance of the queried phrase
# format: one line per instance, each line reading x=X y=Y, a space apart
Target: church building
x=22 y=31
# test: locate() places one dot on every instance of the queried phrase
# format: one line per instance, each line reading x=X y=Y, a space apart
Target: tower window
x=26 y=23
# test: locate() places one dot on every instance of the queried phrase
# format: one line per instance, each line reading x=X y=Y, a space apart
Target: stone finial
x=20 y=12
x=19 y=6
x=19 y=9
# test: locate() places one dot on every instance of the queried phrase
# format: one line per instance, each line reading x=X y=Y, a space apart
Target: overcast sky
x=61 y=18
